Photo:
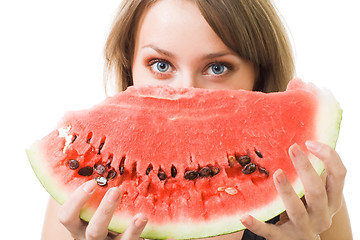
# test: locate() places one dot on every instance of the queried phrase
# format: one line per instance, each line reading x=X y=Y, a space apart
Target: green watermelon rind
x=42 y=172
x=328 y=122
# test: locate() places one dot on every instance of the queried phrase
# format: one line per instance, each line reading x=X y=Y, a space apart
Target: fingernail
x=246 y=220
x=114 y=194
x=313 y=146
x=279 y=176
x=140 y=220
x=90 y=186
x=295 y=150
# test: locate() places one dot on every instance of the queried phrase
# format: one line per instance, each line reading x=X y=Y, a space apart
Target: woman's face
x=175 y=46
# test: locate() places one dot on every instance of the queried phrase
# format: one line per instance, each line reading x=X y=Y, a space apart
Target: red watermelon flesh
x=176 y=154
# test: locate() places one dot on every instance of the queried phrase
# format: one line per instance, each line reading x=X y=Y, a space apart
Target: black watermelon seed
x=161 y=175
x=249 y=168
x=101 y=181
x=111 y=174
x=214 y=171
x=122 y=170
x=99 y=168
x=259 y=154
x=191 y=175
x=205 y=172
x=173 y=171
x=148 y=170
x=73 y=139
x=100 y=147
x=244 y=160
x=85 y=171
x=73 y=164
x=264 y=171
x=121 y=167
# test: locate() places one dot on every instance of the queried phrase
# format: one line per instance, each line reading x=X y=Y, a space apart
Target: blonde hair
x=251 y=28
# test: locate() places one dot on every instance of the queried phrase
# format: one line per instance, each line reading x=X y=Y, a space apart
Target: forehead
x=176 y=23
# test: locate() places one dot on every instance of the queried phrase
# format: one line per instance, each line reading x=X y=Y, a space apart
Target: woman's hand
x=322 y=201
x=97 y=228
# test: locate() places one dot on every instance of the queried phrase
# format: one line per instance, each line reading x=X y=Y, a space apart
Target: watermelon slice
x=193 y=160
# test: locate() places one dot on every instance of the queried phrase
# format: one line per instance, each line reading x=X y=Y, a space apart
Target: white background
x=51 y=61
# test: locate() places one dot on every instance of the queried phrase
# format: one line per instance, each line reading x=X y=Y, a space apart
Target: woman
x=222 y=44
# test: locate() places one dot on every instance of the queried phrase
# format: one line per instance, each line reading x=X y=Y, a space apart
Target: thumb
x=268 y=231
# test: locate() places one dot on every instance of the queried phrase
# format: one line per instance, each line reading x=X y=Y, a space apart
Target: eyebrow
x=159 y=50
x=206 y=56
x=216 y=55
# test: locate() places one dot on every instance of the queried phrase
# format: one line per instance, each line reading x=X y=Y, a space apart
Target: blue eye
x=162 y=66
x=218 y=68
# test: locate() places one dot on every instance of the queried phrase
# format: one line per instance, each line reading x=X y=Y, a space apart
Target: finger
x=268 y=231
x=69 y=212
x=315 y=192
x=335 y=169
x=113 y=235
x=98 y=225
x=134 y=230
x=295 y=208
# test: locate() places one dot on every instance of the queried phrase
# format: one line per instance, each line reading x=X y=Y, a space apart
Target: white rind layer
x=328 y=122
x=328 y=119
